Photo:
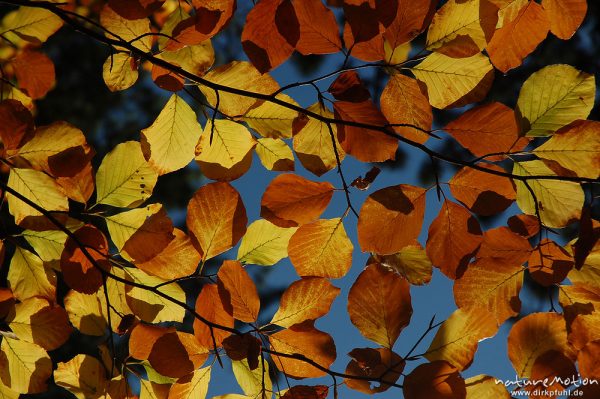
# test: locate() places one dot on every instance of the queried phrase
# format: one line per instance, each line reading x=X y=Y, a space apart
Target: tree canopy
x=134 y=265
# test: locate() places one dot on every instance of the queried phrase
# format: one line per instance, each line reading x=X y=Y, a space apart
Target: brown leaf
x=210 y=306
x=270 y=33
x=167 y=79
x=516 y=39
x=587 y=359
x=35 y=73
x=237 y=288
x=380 y=363
x=391 y=219
x=565 y=16
x=501 y=244
x=319 y=32
x=216 y=219
x=454 y=237
x=552 y=366
x=291 y=200
x=404 y=101
x=379 y=304
x=135 y=9
x=348 y=87
x=17 y=125
x=408 y=20
x=483 y=193
x=437 y=379
x=304 y=342
x=78 y=271
x=210 y=18
x=487 y=129
x=176 y=354
x=550 y=263
x=151 y=238
x=306 y=392
x=243 y=347
x=524 y=225
x=364 y=144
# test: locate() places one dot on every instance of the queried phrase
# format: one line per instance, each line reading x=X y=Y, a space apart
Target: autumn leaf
x=239 y=290
x=264 y=243
x=437 y=379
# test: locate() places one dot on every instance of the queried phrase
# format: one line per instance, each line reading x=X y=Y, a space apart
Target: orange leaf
x=321 y=248
x=553 y=367
x=80 y=186
x=216 y=219
x=369 y=50
x=403 y=101
x=151 y=238
x=437 y=379
x=35 y=73
x=348 y=87
x=483 y=193
x=364 y=144
x=143 y=337
x=166 y=79
x=587 y=359
x=454 y=236
x=491 y=284
x=178 y=259
x=516 y=39
x=291 y=200
x=550 y=263
x=135 y=9
x=501 y=244
x=17 y=124
x=487 y=129
x=7 y=301
x=306 y=299
x=565 y=16
x=79 y=273
x=210 y=306
x=319 y=32
x=236 y=287
x=380 y=363
x=391 y=219
x=270 y=33
x=524 y=225
x=304 y=341
x=407 y=21
x=306 y=392
x=534 y=335
x=379 y=304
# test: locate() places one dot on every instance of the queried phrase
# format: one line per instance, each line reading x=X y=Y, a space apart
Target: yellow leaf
x=395 y=56
x=36 y=320
x=152 y=390
x=230 y=144
x=275 y=154
x=457 y=338
x=37 y=187
x=84 y=376
x=321 y=248
x=28 y=277
x=194 y=59
x=305 y=299
x=120 y=72
x=191 y=386
x=251 y=381
x=134 y=230
x=411 y=262
x=553 y=97
x=54 y=144
x=484 y=387
x=86 y=313
x=559 y=201
x=7 y=393
x=272 y=120
x=126 y=29
x=240 y=75
x=151 y=307
x=264 y=243
x=575 y=147
x=449 y=80
x=125 y=179
x=47 y=244
x=313 y=143
x=24 y=367
x=9 y=92
x=118 y=299
x=31 y=24
x=168 y=144
x=462 y=28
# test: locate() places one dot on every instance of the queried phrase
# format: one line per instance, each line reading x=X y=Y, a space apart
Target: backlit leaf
x=483 y=387
x=565 y=16
x=86 y=313
x=238 y=287
x=457 y=338
x=437 y=379
x=168 y=144
x=210 y=305
x=24 y=367
x=559 y=202
x=319 y=32
x=450 y=80
x=379 y=363
x=379 y=304
x=32 y=24
x=84 y=376
x=305 y=299
x=125 y=179
x=29 y=277
x=411 y=262
x=120 y=72
x=272 y=120
x=291 y=200
x=251 y=381
x=35 y=73
x=553 y=97
x=216 y=218
x=264 y=243
x=549 y=264
x=126 y=29
x=321 y=248
x=391 y=219
x=275 y=154
x=193 y=385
